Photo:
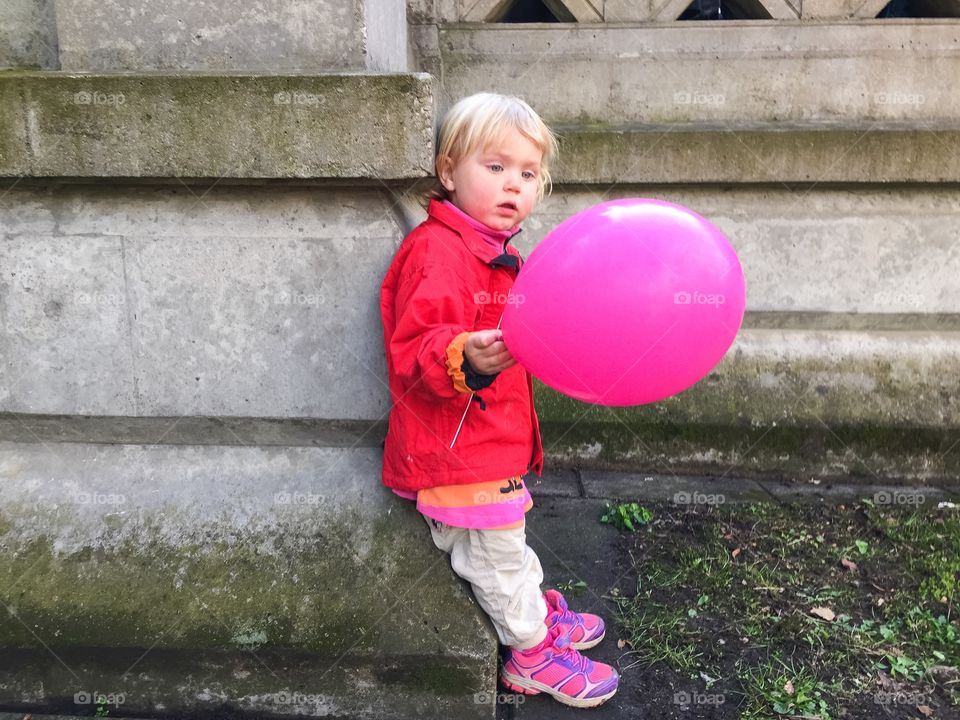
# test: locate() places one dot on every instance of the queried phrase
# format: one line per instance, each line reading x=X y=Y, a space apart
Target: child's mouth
x=508 y=206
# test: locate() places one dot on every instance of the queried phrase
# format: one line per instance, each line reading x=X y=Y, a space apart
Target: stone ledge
x=207 y=125
x=242 y=431
x=802 y=154
x=838 y=453
x=906 y=380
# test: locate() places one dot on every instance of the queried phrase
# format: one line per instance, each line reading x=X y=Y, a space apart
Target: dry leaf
x=925 y=709
x=736 y=551
x=824 y=612
x=885 y=681
x=848 y=564
x=621 y=644
x=788 y=688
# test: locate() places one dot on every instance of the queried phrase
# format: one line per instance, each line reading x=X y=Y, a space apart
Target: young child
x=462 y=427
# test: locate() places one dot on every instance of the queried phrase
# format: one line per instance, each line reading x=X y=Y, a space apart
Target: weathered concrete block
x=216 y=126
x=386 y=36
x=619 y=77
x=169 y=302
x=276 y=580
x=28 y=35
x=277 y=37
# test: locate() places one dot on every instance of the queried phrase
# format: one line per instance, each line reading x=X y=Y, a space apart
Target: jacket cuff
x=455 y=362
x=465 y=378
x=475 y=380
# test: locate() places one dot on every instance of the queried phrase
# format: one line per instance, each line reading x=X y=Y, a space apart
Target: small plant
x=626 y=516
x=570 y=586
x=904 y=666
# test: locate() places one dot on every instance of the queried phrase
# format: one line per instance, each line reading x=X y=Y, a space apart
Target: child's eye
x=530 y=175
x=496 y=167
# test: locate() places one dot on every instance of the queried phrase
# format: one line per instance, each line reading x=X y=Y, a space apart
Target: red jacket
x=445 y=281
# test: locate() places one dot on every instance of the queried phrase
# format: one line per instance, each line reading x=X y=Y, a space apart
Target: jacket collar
x=475 y=243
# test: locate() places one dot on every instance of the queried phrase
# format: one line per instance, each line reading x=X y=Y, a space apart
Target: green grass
x=781 y=688
x=729 y=594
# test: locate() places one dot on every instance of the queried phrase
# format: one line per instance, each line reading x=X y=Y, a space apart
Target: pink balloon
x=625 y=303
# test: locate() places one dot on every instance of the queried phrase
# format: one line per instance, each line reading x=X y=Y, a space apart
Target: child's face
x=496 y=185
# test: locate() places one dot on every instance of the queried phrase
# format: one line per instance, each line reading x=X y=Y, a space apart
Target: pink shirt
x=491 y=505
x=495 y=237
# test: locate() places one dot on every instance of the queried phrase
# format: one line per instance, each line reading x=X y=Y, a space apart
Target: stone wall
x=198 y=205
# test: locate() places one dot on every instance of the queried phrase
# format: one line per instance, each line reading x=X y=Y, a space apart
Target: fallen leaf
x=925 y=709
x=824 y=612
x=736 y=551
x=848 y=564
x=885 y=681
x=621 y=644
x=788 y=688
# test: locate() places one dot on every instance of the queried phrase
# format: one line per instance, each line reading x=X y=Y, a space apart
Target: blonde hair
x=482 y=120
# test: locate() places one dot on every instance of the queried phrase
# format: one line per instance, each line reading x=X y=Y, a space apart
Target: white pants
x=505 y=575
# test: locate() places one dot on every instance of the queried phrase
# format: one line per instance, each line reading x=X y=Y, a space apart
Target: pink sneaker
x=555 y=668
x=586 y=630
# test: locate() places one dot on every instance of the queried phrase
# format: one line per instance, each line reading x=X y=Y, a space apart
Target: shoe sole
x=526 y=686
x=587 y=645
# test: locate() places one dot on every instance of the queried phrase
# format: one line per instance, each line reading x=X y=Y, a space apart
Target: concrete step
x=278 y=581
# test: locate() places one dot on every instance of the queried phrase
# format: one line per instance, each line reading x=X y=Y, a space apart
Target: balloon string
x=469 y=401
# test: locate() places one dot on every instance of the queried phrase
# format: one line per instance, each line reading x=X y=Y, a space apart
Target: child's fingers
x=495 y=338
x=498 y=353
x=504 y=360
x=484 y=339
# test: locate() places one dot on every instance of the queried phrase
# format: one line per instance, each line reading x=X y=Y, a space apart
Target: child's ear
x=445 y=173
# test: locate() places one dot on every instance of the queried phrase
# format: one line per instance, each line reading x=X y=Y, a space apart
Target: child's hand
x=487 y=353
